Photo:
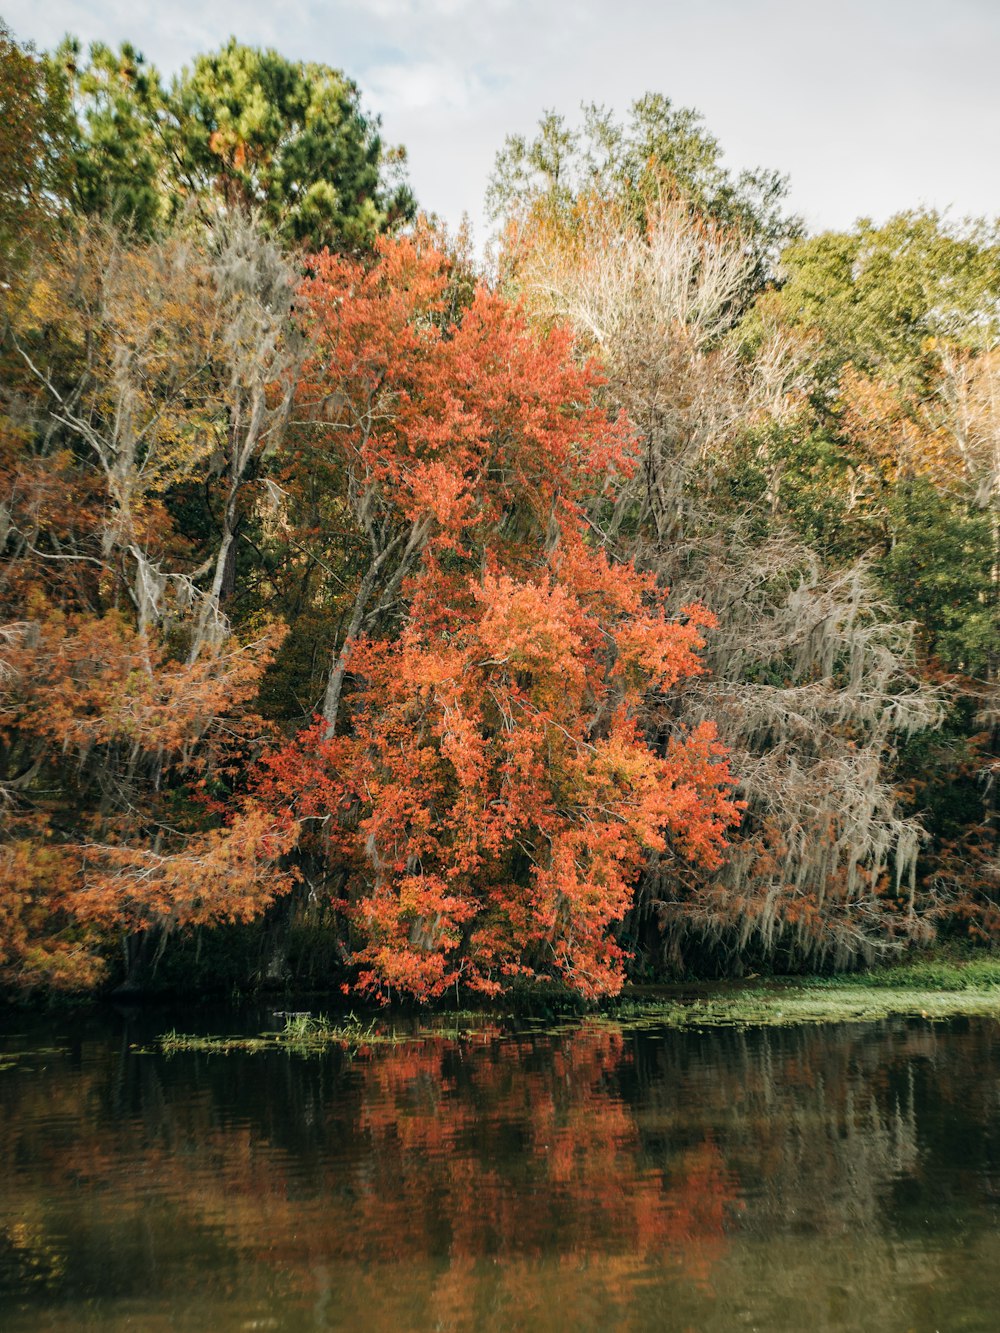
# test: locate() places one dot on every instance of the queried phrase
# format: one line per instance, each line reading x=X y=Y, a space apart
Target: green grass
x=789 y=1004
x=932 y=990
x=302 y=1034
x=931 y=975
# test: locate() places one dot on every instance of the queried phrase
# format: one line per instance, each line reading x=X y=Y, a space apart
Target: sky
x=869 y=106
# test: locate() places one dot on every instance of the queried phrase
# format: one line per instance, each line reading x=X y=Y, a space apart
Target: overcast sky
x=870 y=106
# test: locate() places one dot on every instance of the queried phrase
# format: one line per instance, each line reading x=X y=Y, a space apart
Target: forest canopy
x=375 y=620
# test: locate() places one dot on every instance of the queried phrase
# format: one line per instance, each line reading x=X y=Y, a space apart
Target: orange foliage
x=496 y=794
x=36 y=948
x=496 y=798
x=900 y=437
x=78 y=681
x=228 y=874
x=502 y=799
x=451 y=423
x=136 y=735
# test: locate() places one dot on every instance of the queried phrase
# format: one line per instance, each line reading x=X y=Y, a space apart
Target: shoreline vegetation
x=934 y=991
x=381 y=622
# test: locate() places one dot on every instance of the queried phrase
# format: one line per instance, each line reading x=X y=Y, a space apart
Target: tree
x=126 y=699
x=108 y=750
x=659 y=153
x=880 y=295
x=242 y=129
x=115 y=161
x=484 y=785
x=291 y=140
x=32 y=149
x=178 y=363
x=452 y=440
x=907 y=383
x=495 y=800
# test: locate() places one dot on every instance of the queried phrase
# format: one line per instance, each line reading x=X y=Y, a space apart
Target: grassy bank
x=786 y=1005
x=932 y=974
x=932 y=990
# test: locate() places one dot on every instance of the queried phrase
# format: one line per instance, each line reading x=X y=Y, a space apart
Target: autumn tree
x=178 y=368
x=658 y=152
x=906 y=322
x=488 y=794
x=498 y=799
x=449 y=439
x=148 y=373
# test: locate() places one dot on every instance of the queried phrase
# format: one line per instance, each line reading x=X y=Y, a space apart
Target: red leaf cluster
x=495 y=796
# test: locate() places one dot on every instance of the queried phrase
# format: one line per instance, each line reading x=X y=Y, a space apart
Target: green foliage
x=240 y=128
x=118 y=168
x=33 y=118
x=879 y=294
x=657 y=148
x=795 y=475
x=933 y=974
x=939 y=571
x=289 y=139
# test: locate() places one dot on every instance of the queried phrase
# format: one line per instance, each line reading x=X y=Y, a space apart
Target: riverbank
x=941 y=987
x=932 y=991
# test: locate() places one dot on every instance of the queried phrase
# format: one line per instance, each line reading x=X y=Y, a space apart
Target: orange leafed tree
x=133 y=373
x=120 y=741
x=486 y=781
x=447 y=439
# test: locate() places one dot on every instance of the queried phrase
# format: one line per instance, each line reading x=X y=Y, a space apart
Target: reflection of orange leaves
x=582 y=1144
x=482 y=1175
x=703 y=1194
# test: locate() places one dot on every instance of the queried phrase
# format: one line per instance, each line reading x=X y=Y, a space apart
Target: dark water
x=840 y=1177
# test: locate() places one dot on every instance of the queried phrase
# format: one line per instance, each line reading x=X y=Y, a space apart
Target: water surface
x=824 y=1177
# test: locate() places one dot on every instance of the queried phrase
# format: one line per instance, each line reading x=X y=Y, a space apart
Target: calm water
x=840 y=1177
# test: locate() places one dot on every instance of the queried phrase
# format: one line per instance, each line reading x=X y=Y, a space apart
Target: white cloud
x=404 y=87
x=423 y=11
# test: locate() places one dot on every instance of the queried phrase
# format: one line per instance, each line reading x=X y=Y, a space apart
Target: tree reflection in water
x=590 y=1177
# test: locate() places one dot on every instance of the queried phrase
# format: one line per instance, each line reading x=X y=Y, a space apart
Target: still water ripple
x=831 y=1178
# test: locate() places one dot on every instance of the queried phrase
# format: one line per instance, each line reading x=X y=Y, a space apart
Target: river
x=832 y=1176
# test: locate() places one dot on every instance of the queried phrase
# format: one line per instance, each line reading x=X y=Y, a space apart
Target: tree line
x=625 y=607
